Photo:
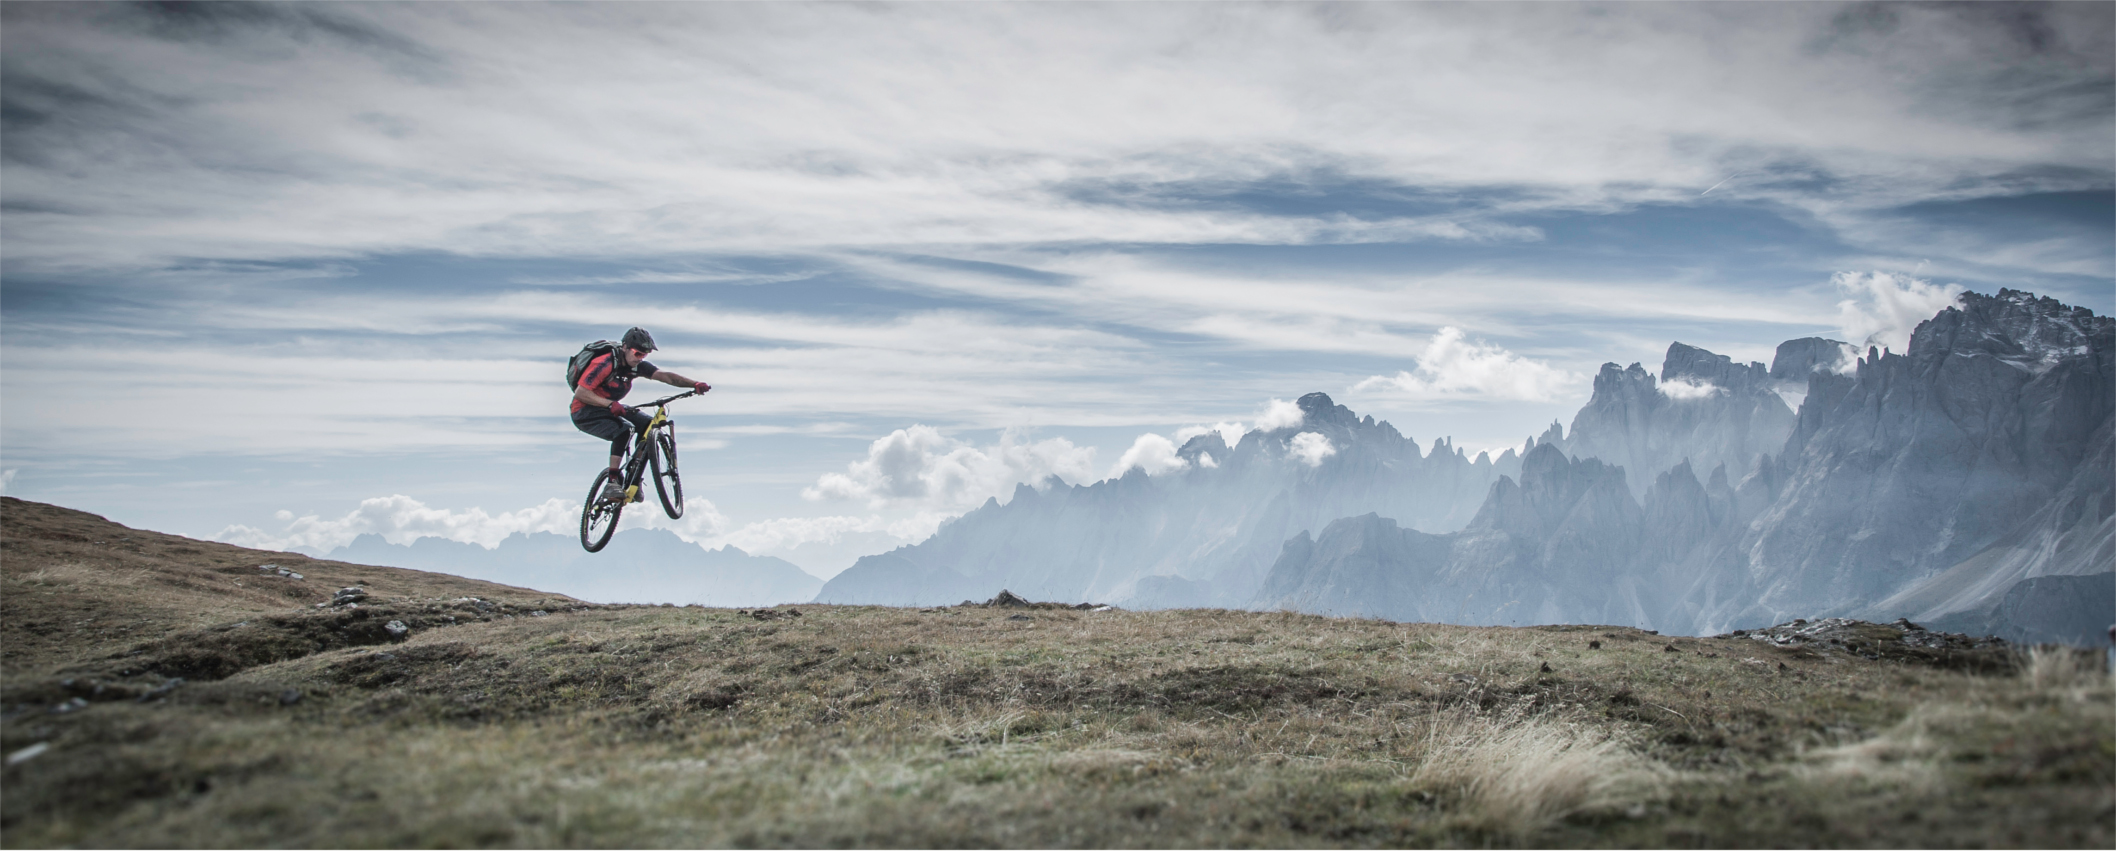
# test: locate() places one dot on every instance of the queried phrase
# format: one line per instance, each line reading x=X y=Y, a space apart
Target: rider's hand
x=701 y=387
x=618 y=408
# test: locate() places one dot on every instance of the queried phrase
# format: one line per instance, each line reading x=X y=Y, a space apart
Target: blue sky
x=284 y=274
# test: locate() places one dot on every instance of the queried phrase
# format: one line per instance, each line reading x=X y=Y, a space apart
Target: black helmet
x=638 y=338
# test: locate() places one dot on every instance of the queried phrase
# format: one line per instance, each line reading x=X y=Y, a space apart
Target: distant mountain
x=1201 y=536
x=1704 y=409
x=1938 y=480
x=638 y=566
x=1970 y=481
x=1553 y=548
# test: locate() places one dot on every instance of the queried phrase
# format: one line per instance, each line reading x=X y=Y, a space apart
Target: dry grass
x=861 y=726
x=1518 y=776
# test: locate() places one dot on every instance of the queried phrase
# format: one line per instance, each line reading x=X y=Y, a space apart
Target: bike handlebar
x=661 y=402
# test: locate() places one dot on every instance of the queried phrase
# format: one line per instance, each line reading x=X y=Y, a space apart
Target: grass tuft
x=1519 y=776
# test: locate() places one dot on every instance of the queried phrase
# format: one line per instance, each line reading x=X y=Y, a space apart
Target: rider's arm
x=673 y=380
x=590 y=397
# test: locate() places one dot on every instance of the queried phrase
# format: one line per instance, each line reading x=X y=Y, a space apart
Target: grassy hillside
x=487 y=724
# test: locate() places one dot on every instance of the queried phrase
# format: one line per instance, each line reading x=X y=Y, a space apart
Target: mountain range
x=1967 y=481
x=1203 y=535
x=638 y=566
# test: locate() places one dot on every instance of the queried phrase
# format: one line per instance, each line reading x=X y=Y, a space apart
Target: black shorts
x=601 y=423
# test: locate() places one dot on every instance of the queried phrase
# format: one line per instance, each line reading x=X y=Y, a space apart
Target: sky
x=284 y=274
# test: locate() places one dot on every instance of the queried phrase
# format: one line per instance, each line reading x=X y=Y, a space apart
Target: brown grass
x=864 y=726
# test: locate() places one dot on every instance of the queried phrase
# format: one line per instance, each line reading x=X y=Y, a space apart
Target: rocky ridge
x=1203 y=535
x=1968 y=479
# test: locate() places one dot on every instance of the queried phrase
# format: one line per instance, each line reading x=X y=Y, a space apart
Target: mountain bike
x=653 y=451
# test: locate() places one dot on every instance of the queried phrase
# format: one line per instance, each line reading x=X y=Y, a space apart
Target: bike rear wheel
x=598 y=518
x=667 y=484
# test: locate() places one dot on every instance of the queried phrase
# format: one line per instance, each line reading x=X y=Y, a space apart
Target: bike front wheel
x=667 y=484
x=598 y=517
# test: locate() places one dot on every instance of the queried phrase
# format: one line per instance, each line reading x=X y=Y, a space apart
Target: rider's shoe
x=613 y=491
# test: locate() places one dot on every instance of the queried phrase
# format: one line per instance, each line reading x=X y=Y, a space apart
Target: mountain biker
x=604 y=381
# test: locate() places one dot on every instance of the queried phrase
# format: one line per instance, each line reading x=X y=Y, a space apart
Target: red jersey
x=607 y=375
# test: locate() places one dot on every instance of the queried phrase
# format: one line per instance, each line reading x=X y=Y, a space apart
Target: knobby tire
x=598 y=519
x=667 y=484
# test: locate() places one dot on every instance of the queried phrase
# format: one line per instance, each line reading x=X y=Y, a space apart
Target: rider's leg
x=639 y=421
x=603 y=424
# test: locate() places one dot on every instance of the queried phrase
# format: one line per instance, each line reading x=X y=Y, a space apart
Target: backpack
x=588 y=353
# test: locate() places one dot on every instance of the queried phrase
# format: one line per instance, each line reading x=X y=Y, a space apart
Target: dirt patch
x=1901 y=641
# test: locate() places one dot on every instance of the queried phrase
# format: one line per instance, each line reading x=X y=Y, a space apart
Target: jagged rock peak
x=1317 y=409
x=1210 y=443
x=1613 y=378
x=1797 y=359
x=1544 y=462
x=2014 y=326
x=1550 y=485
x=1690 y=362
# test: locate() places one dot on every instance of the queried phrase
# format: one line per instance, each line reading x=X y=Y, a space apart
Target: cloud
x=962 y=250
x=1452 y=365
x=1279 y=414
x=1686 y=389
x=328 y=375
x=1311 y=448
x=7 y=477
x=1883 y=308
x=400 y=519
x=918 y=467
x=517 y=128
x=1152 y=453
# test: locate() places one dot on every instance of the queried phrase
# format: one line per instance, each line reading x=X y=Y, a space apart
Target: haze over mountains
x=1967 y=483
x=1204 y=535
x=1967 y=480
x=638 y=566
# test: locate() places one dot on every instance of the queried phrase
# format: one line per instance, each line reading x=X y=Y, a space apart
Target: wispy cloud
x=1311 y=448
x=1151 y=453
x=920 y=467
x=1688 y=389
x=1451 y=364
x=1883 y=308
x=340 y=232
x=274 y=136
x=401 y=519
x=1279 y=414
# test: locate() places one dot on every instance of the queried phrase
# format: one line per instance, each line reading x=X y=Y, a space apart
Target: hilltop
x=169 y=692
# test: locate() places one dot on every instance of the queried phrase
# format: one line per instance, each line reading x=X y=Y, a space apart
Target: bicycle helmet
x=638 y=338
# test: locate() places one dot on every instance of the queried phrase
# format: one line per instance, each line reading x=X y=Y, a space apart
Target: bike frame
x=603 y=513
x=643 y=442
